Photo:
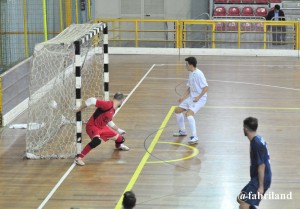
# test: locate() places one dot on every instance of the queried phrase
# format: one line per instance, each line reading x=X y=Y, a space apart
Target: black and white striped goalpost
x=106 y=62
x=78 y=66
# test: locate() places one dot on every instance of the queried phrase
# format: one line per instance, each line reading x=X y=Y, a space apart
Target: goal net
x=65 y=70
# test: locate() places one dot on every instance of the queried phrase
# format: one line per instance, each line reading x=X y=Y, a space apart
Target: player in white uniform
x=193 y=99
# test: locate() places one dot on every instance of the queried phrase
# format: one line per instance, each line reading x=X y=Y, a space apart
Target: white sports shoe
x=123 y=147
x=79 y=161
x=193 y=140
x=180 y=133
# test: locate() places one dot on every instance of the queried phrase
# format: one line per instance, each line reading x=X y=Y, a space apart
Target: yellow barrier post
x=119 y=35
x=213 y=36
x=60 y=16
x=297 y=36
x=184 y=34
x=175 y=34
x=136 y=34
x=68 y=12
x=45 y=20
x=25 y=27
x=76 y=12
x=265 y=36
x=239 y=35
x=113 y=31
x=89 y=10
x=179 y=29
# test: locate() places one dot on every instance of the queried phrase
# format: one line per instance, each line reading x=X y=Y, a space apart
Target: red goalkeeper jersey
x=103 y=114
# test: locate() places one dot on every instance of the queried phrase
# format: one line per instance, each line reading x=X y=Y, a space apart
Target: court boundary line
x=232 y=82
x=146 y=156
x=242 y=65
x=61 y=180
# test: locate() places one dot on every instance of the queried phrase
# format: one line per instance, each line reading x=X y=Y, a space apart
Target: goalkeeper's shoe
x=79 y=161
x=180 y=133
x=122 y=147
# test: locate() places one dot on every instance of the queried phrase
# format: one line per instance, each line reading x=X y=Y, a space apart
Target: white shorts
x=188 y=104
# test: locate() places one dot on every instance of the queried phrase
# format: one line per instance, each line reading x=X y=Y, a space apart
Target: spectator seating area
x=245 y=26
x=248 y=17
x=242 y=9
x=258 y=10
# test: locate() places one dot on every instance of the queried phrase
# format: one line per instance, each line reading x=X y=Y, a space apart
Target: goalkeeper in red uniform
x=100 y=125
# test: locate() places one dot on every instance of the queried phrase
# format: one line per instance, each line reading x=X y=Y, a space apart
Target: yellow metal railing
x=137 y=32
x=298 y=35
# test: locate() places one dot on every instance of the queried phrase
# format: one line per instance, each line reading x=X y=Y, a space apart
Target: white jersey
x=196 y=83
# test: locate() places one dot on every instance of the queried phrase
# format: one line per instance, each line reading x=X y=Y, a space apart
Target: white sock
x=180 y=121
x=192 y=123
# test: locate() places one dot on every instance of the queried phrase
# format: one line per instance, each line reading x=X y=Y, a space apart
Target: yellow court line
x=262 y=108
x=146 y=156
x=195 y=152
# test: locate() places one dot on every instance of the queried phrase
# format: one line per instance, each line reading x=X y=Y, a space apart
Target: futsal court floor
x=164 y=171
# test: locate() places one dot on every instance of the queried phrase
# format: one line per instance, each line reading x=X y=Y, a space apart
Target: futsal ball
x=53 y=104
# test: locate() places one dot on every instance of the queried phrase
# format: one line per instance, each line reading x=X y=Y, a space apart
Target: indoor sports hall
x=247 y=75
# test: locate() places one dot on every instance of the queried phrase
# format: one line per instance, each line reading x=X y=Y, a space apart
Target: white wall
x=174 y=9
x=178 y=9
x=107 y=9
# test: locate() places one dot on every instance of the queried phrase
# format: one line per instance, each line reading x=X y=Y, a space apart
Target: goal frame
x=79 y=65
x=65 y=65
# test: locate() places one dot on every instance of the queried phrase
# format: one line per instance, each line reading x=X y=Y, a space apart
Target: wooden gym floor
x=164 y=171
